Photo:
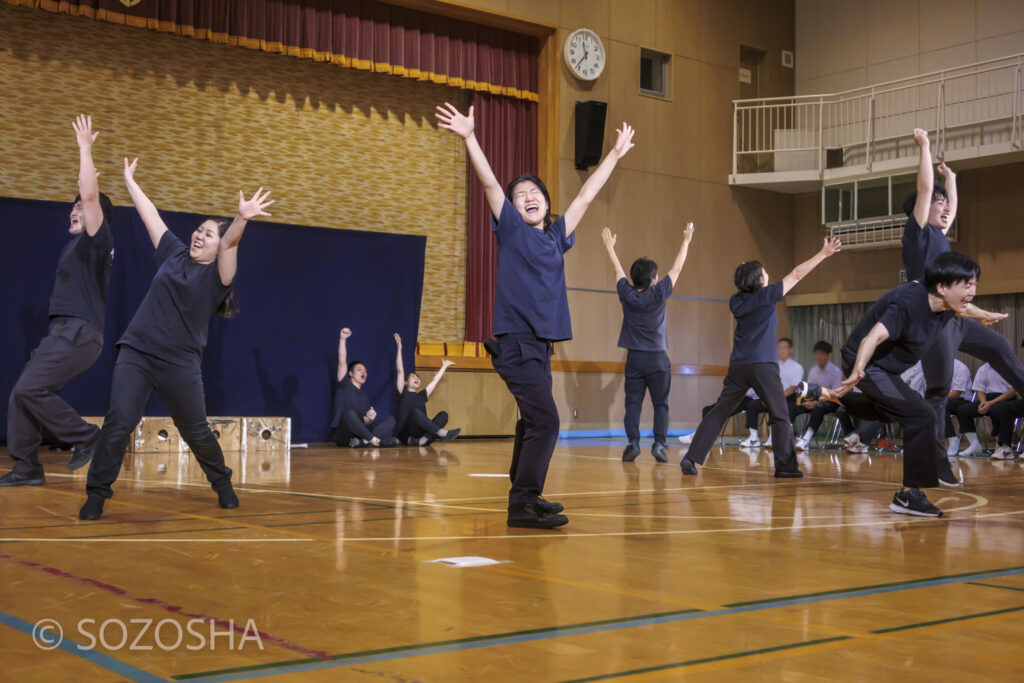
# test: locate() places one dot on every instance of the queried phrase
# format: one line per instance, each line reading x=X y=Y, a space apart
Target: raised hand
x=445 y=363
x=449 y=118
x=345 y=333
x=398 y=339
x=129 y=170
x=921 y=137
x=250 y=208
x=831 y=246
x=624 y=142
x=946 y=172
x=83 y=131
x=609 y=238
x=688 y=232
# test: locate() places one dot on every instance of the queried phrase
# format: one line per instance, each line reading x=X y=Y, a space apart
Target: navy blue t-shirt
x=911 y=323
x=172 y=321
x=643 y=316
x=348 y=396
x=920 y=246
x=83 y=277
x=756 y=323
x=530 y=294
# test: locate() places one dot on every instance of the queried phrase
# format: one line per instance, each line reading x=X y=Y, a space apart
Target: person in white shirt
x=989 y=389
x=959 y=396
x=792 y=374
x=826 y=374
x=914 y=378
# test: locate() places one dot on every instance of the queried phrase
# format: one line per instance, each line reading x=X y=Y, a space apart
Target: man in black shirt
x=414 y=427
x=77 y=309
x=355 y=422
x=894 y=334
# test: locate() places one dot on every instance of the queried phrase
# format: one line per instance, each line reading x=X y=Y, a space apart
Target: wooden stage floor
x=730 y=575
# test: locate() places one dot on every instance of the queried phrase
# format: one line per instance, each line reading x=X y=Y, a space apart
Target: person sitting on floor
x=414 y=428
x=355 y=422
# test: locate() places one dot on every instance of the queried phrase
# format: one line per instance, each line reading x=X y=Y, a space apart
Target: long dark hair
x=230 y=307
x=511 y=188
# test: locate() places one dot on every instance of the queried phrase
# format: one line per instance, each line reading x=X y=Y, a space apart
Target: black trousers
x=524 y=363
x=1004 y=415
x=867 y=430
x=750 y=406
x=819 y=412
x=70 y=348
x=971 y=337
x=885 y=397
x=953 y=405
x=966 y=414
x=352 y=426
x=418 y=425
x=764 y=379
x=647 y=371
x=180 y=388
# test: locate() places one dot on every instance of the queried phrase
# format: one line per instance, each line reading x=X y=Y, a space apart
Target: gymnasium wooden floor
x=730 y=575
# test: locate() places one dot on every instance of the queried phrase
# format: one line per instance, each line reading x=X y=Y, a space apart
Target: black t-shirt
x=172 y=320
x=911 y=324
x=348 y=396
x=643 y=315
x=920 y=246
x=408 y=401
x=83 y=277
x=756 y=322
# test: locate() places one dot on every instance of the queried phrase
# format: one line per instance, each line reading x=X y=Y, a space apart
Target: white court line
x=486 y=474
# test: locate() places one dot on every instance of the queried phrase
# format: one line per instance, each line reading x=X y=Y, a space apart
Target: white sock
x=442 y=433
x=972 y=439
x=808 y=435
x=952 y=443
x=753 y=433
x=424 y=440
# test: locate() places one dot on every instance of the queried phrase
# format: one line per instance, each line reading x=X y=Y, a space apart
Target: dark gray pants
x=352 y=426
x=764 y=379
x=136 y=377
x=69 y=349
x=971 y=337
x=647 y=371
x=418 y=425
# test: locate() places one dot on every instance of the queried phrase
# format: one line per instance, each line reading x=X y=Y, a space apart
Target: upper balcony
x=796 y=144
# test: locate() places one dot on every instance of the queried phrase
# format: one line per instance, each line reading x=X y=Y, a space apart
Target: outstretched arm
x=609 y=244
x=677 y=265
x=578 y=207
x=445 y=364
x=147 y=211
x=984 y=317
x=227 y=255
x=449 y=118
x=865 y=351
x=947 y=173
x=88 y=178
x=343 y=352
x=831 y=246
x=925 y=178
x=399 y=366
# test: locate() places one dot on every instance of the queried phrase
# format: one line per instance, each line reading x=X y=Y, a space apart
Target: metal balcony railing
x=969 y=107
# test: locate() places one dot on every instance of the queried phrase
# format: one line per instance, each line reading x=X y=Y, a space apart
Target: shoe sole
x=907 y=511
x=24 y=482
x=534 y=525
x=952 y=485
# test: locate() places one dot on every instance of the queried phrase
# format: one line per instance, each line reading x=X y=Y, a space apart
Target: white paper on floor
x=467 y=561
x=482 y=474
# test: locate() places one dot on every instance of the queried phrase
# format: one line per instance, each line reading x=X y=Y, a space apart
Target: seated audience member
x=414 y=428
x=1004 y=416
x=989 y=390
x=959 y=396
x=826 y=374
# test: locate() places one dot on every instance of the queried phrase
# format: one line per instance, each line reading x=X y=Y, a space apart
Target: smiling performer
x=78 y=306
x=163 y=346
x=930 y=213
x=531 y=307
x=414 y=428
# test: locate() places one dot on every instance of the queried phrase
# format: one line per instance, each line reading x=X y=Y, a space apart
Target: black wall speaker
x=590 y=118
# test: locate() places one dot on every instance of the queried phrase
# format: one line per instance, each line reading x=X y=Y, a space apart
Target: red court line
x=160 y=604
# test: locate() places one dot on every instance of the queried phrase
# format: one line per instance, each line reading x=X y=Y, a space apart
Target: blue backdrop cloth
x=297 y=287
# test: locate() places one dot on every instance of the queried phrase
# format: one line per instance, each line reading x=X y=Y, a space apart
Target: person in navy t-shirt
x=645 y=339
x=531 y=307
x=754 y=362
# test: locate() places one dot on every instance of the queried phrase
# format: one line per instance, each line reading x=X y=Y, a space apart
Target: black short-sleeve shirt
x=408 y=401
x=348 y=396
x=912 y=327
x=921 y=246
x=643 y=315
x=83 y=277
x=530 y=293
x=756 y=323
x=172 y=321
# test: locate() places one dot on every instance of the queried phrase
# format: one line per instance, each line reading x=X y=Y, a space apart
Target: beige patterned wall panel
x=340 y=148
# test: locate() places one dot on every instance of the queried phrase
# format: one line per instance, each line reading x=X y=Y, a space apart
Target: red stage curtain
x=507 y=131
x=360 y=34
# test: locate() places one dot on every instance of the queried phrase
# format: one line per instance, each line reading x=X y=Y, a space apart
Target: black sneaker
x=946 y=476
x=914 y=502
x=688 y=466
x=412 y=441
x=451 y=435
x=93 y=508
x=14 y=479
x=788 y=474
x=549 y=506
x=630 y=452
x=390 y=443
x=227 y=498
x=531 y=516
x=658 y=451
x=81 y=454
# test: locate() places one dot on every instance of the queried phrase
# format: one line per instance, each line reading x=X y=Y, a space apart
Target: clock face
x=584 y=54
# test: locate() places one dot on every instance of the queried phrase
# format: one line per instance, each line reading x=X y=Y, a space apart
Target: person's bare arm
x=343 y=352
x=831 y=246
x=865 y=351
x=986 y=404
x=609 y=245
x=449 y=118
x=88 y=178
x=445 y=364
x=399 y=365
x=227 y=253
x=950 y=184
x=155 y=225
x=925 y=178
x=677 y=265
x=587 y=194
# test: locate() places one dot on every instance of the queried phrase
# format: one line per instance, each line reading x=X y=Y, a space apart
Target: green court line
x=993 y=585
x=874 y=586
x=949 y=620
x=707 y=660
x=439 y=643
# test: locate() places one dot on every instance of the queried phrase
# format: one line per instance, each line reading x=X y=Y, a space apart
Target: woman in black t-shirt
x=163 y=346
x=413 y=426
